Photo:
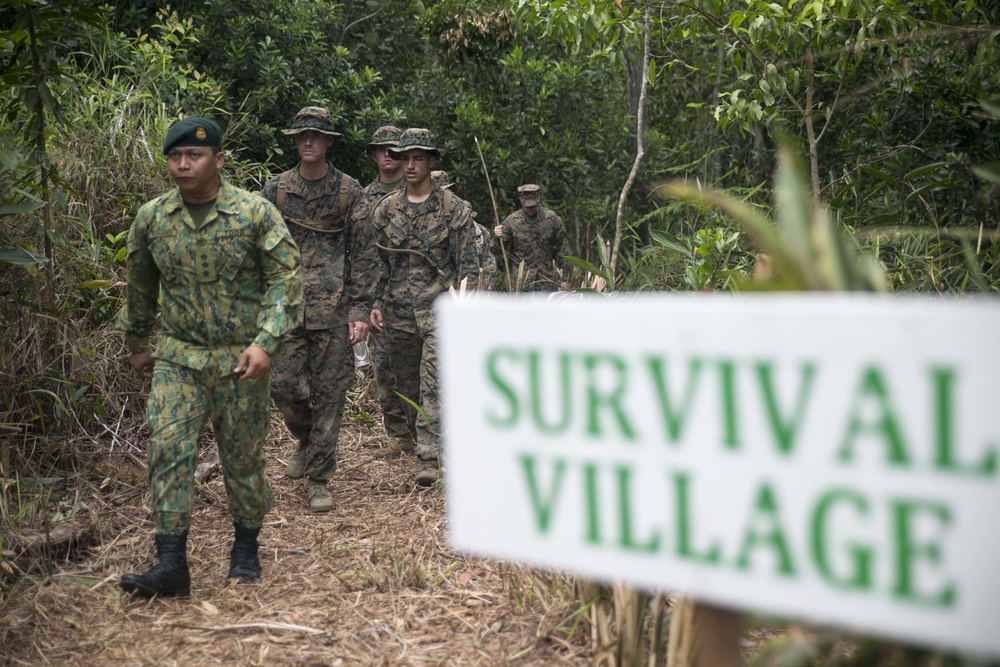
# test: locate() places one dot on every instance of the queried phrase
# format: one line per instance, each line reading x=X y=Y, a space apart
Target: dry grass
x=372 y=583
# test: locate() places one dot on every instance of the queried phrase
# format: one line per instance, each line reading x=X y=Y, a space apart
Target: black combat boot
x=243 y=562
x=169 y=577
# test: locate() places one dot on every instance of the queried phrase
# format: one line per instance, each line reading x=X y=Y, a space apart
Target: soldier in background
x=487 y=262
x=536 y=236
x=226 y=271
x=327 y=213
x=427 y=243
x=390 y=169
x=401 y=431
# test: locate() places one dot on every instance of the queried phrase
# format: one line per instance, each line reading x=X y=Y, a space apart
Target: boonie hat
x=193 y=131
x=316 y=119
x=417 y=137
x=529 y=194
x=387 y=135
x=441 y=179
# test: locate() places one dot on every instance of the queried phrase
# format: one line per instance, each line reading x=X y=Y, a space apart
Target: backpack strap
x=449 y=203
x=279 y=198
x=345 y=183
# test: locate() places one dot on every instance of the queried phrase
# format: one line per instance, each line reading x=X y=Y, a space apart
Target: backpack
x=279 y=199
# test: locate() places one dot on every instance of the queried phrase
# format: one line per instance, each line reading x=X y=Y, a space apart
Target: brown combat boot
x=396 y=448
x=296 y=466
x=428 y=473
x=320 y=499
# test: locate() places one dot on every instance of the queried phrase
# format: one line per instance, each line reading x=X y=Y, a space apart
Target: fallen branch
x=288 y=627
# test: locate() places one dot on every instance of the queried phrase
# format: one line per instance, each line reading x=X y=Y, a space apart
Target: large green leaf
x=23 y=207
x=20 y=257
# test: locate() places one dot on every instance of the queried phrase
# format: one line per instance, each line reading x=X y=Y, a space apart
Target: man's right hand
x=142 y=362
x=498 y=231
x=375 y=319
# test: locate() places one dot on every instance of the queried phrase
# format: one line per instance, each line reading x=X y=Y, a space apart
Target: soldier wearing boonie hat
x=316 y=119
x=208 y=243
x=390 y=170
x=402 y=439
x=536 y=236
x=427 y=243
x=327 y=213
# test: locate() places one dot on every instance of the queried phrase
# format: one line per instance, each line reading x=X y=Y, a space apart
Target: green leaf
x=96 y=284
x=991 y=108
x=23 y=207
x=20 y=257
x=587 y=266
x=926 y=169
x=988 y=172
x=881 y=175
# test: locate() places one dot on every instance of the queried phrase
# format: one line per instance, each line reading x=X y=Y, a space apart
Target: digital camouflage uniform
x=233 y=281
x=540 y=242
x=423 y=252
x=394 y=416
x=340 y=271
x=487 y=262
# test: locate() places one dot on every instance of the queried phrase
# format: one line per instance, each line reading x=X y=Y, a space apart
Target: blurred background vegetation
x=893 y=106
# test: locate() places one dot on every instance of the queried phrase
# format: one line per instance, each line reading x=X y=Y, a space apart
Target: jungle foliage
x=893 y=106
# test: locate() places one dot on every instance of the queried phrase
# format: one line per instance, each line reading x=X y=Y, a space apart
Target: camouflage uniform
x=394 y=416
x=424 y=250
x=539 y=241
x=233 y=281
x=340 y=271
x=487 y=262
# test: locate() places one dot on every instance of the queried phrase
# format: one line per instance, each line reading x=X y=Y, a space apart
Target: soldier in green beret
x=536 y=236
x=328 y=215
x=216 y=268
x=427 y=242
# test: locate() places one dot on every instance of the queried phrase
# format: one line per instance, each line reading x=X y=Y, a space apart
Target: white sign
x=830 y=458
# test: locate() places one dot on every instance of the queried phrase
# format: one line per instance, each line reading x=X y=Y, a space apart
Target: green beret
x=193 y=131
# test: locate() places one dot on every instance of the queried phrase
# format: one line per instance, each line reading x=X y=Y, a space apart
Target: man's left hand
x=254 y=362
x=357 y=331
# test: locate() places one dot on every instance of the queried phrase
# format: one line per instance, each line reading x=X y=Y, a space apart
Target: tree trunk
x=640 y=149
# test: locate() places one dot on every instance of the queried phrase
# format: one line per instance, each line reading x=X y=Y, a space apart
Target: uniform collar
x=225 y=200
x=296 y=185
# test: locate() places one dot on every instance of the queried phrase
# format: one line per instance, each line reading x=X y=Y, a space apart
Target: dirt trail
x=372 y=583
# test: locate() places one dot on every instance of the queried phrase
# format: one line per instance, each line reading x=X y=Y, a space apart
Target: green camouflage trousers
x=414 y=361
x=398 y=423
x=180 y=401
x=309 y=383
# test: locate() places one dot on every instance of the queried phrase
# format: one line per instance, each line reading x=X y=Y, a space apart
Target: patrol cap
x=529 y=194
x=387 y=135
x=441 y=179
x=317 y=119
x=417 y=137
x=193 y=131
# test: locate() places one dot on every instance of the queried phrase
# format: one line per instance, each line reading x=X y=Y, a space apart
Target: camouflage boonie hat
x=441 y=179
x=529 y=194
x=387 y=135
x=417 y=137
x=317 y=119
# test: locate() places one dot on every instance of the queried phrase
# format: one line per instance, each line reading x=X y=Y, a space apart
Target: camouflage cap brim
x=300 y=130
x=395 y=150
x=381 y=144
